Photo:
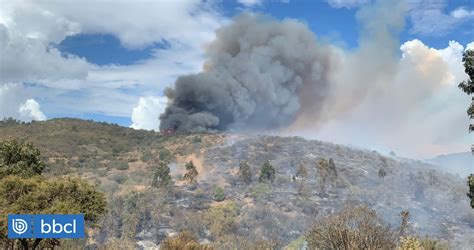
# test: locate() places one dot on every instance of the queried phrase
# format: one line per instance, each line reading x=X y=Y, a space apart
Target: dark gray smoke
x=258 y=74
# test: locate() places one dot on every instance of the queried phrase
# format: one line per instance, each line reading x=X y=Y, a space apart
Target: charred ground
x=122 y=161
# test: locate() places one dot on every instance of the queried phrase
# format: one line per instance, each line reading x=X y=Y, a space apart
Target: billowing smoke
x=267 y=75
x=259 y=74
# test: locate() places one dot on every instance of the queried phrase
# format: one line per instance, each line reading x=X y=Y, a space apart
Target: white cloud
x=146 y=114
x=15 y=103
x=429 y=17
x=346 y=3
x=30 y=110
x=69 y=84
x=250 y=3
x=462 y=13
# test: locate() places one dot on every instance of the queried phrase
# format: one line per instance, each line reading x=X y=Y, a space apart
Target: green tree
x=219 y=194
x=162 y=177
x=467 y=86
x=37 y=195
x=267 y=172
x=24 y=191
x=191 y=174
x=19 y=158
x=245 y=174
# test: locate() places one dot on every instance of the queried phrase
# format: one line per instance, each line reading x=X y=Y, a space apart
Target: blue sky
x=112 y=61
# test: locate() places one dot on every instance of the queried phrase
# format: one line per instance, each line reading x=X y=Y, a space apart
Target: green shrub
x=219 y=194
x=120 y=165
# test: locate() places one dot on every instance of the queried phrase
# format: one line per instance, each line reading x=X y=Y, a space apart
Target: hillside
x=122 y=161
x=458 y=163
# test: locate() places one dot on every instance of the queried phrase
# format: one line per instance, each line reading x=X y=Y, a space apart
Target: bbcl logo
x=45 y=226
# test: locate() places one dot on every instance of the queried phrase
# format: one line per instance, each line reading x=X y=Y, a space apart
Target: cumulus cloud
x=29 y=31
x=30 y=110
x=462 y=12
x=145 y=115
x=14 y=103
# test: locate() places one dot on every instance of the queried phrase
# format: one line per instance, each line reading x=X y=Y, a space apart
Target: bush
x=166 y=155
x=183 y=240
x=120 y=165
x=220 y=219
x=219 y=194
x=353 y=228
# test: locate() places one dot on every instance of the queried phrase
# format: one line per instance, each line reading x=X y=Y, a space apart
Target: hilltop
x=122 y=161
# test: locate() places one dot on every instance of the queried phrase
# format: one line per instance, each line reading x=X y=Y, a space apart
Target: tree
x=302 y=172
x=245 y=174
x=267 y=172
x=382 y=173
x=219 y=194
x=332 y=167
x=19 y=158
x=325 y=170
x=162 y=177
x=471 y=189
x=191 y=173
x=301 y=175
x=24 y=191
x=37 y=195
x=467 y=86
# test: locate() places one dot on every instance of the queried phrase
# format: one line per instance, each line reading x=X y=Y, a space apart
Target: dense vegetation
x=24 y=191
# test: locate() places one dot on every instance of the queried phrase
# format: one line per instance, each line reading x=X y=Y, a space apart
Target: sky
x=112 y=60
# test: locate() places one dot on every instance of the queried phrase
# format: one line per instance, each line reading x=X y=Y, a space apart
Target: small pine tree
x=302 y=172
x=244 y=172
x=162 y=177
x=219 y=194
x=191 y=173
x=325 y=170
x=267 y=172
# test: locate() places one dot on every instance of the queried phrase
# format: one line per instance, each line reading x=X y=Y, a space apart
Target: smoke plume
x=266 y=75
x=259 y=74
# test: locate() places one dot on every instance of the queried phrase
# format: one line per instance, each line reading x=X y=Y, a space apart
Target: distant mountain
x=458 y=163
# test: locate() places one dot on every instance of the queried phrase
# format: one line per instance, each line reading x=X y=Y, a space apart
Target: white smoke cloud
x=146 y=114
x=420 y=112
